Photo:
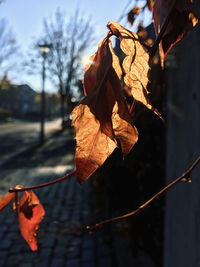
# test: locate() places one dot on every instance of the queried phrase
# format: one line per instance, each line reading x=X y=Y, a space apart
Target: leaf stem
x=17 y=203
x=132 y=107
x=67 y=176
x=185 y=175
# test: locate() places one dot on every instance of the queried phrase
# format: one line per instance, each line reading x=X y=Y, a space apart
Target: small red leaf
x=31 y=213
x=5 y=200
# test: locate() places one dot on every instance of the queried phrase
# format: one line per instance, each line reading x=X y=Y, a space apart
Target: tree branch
x=132 y=107
x=185 y=175
x=161 y=33
x=66 y=177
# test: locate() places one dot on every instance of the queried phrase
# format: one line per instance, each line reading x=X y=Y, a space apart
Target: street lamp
x=44 y=49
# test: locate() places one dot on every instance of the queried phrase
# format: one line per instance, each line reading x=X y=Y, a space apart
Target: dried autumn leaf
x=150 y=4
x=96 y=119
x=93 y=73
x=5 y=200
x=135 y=65
x=181 y=18
x=132 y=13
x=92 y=145
x=31 y=213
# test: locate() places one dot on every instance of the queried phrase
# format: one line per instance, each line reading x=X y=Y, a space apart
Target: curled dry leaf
x=135 y=65
x=31 y=213
x=93 y=73
x=101 y=119
x=5 y=200
x=181 y=18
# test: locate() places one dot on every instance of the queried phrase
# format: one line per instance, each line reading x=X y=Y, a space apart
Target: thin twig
x=162 y=31
x=67 y=176
x=185 y=175
x=132 y=107
x=17 y=203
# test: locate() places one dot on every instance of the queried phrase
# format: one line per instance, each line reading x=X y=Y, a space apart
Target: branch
x=161 y=33
x=185 y=175
x=16 y=203
x=66 y=177
x=132 y=107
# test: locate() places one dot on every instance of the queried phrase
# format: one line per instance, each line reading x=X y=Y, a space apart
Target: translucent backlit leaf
x=102 y=118
x=135 y=65
x=31 y=213
x=5 y=200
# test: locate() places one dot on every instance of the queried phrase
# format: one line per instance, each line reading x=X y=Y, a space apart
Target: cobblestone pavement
x=68 y=206
x=60 y=240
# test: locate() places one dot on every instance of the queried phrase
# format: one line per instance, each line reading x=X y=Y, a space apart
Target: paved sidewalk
x=60 y=239
x=68 y=207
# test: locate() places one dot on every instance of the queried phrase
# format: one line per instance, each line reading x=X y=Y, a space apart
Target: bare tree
x=70 y=40
x=8 y=45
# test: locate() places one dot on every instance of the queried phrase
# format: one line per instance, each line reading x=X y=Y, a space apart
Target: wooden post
x=182 y=218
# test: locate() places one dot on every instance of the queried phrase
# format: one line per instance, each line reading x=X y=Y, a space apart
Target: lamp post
x=44 y=49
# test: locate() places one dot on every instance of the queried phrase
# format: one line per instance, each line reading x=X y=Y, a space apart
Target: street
x=16 y=136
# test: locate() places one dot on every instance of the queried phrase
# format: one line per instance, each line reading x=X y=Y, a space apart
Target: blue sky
x=25 y=18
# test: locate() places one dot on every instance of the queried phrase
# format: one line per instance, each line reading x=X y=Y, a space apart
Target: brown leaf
x=96 y=119
x=132 y=13
x=31 y=213
x=5 y=200
x=182 y=18
x=92 y=145
x=150 y=4
x=124 y=131
x=93 y=73
x=135 y=65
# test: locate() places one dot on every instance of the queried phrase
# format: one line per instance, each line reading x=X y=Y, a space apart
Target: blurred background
x=44 y=49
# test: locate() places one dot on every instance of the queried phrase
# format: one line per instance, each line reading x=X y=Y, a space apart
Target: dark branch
x=161 y=33
x=185 y=175
x=66 y=177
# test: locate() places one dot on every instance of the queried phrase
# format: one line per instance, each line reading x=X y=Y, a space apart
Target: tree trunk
x=62 y=109
x=182 y=220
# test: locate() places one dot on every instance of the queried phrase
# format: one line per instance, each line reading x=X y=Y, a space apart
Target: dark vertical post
x=182 y=211
x=43 y=101
x=44 y=49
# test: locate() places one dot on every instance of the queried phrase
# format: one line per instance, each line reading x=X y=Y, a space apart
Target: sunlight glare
x=85 y=60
